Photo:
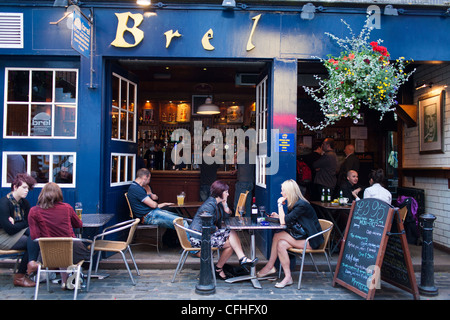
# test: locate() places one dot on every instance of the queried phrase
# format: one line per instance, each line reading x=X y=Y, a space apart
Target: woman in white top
x=375 y=190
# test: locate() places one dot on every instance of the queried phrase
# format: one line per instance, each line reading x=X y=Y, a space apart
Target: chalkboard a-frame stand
x=375 y=247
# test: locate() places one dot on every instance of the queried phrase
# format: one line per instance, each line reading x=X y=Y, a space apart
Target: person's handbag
x=297 y=232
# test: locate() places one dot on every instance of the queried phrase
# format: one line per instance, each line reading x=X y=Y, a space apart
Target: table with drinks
x=183 y=207
x=333 y=211
x=257 y=221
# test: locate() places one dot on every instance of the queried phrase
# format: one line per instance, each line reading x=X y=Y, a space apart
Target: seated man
x=350 y=188
x=144 y=205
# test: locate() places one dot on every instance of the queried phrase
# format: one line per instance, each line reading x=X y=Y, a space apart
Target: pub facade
x=88 y=87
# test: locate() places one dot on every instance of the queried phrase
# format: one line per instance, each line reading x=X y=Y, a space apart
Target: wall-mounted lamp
x=208 y=108
x=424 y=85
x=308 y=11
x=230 y=4
x=389 y=10
x=143 y=2
x=64 y=3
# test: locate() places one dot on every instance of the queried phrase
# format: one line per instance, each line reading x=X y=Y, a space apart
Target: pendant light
x=208 y=108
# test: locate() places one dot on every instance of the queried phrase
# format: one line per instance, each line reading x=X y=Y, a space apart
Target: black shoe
x=218 y=271
x=246 y=262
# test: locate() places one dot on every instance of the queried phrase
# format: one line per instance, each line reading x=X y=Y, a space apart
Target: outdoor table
x=328 y=210
x=183 y=209
x=244 y=223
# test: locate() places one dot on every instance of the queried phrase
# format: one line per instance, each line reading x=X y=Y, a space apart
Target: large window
x=122 y=168
x=40 y=103
x=45 y=167
x=123 y=113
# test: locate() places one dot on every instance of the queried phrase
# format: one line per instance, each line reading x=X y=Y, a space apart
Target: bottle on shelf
x=323 y=196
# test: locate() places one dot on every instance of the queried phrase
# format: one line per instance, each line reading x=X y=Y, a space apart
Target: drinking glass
x=78 y=209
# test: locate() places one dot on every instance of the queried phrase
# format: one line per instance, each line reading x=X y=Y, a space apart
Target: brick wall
x=437 y=193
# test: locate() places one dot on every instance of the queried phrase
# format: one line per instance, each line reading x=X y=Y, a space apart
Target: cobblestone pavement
x=155 y=284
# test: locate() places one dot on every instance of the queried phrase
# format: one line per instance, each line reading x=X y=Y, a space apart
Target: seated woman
x=301 y=212
x=376 y=178
x=51 y=217
x=222 y=238
x=14 y=232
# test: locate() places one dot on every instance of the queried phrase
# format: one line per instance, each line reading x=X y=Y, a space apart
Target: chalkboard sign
x=397 y=266
x=366 y=245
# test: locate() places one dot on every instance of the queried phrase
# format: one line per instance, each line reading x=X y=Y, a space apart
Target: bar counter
x=168 y=183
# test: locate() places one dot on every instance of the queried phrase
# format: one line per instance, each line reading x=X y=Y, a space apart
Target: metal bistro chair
x=182 y=232
x=141 y=226
x=241 y=203
x=18 y=254
x=99 y=244
x=327 y=226
x=57 y=256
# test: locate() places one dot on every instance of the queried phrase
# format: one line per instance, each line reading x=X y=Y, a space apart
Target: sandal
x=246 y=262
x=218 y=272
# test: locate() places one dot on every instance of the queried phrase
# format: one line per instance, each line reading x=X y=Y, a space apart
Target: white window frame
x=261 y=131
x=6 y=184
x=30 y=103
x=127 y=179
x=127 y=112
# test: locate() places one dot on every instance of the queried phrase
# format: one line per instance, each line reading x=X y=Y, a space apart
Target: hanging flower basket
x=361 y=75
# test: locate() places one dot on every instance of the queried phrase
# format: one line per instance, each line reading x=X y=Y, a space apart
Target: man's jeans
x=162 y=218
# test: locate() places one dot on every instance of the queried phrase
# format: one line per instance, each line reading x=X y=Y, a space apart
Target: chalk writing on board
x=362 y=244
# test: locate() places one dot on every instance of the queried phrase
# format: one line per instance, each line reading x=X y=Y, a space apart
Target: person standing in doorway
x=326 y=168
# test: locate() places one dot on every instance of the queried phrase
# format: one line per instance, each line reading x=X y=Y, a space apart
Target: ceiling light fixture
x=308 y=11
x=208 y=108
x=143 y=2
x=229 y=4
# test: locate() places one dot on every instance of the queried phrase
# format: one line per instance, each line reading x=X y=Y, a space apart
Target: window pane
x=114 y=165
x=65 y=86
x=16 y=164
x=123 y=125
x=130 y=168
x=131 y=98
x=17 y=120
x=124 y=94
x=122 y=168
x=18 y=85
x=130 y=127
x=40 y=168
x=41 y=121
x=115 y=123
x=42 y=85
x=65 y=120
x=63 y=169
x=115 y=91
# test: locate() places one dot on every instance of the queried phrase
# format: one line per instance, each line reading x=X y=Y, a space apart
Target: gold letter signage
x=250 y=45
x=122 y=27
x=205 y=40
x=169 y=35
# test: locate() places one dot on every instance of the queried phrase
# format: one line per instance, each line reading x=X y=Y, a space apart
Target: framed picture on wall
x=431 y=112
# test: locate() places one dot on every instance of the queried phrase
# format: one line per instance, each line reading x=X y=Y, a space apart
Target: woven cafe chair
x=99 y=245
x=57 y=256
x=327 y=227
x=18 y=254
x=241 y=203
x=141 y=226
x=182 y=232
